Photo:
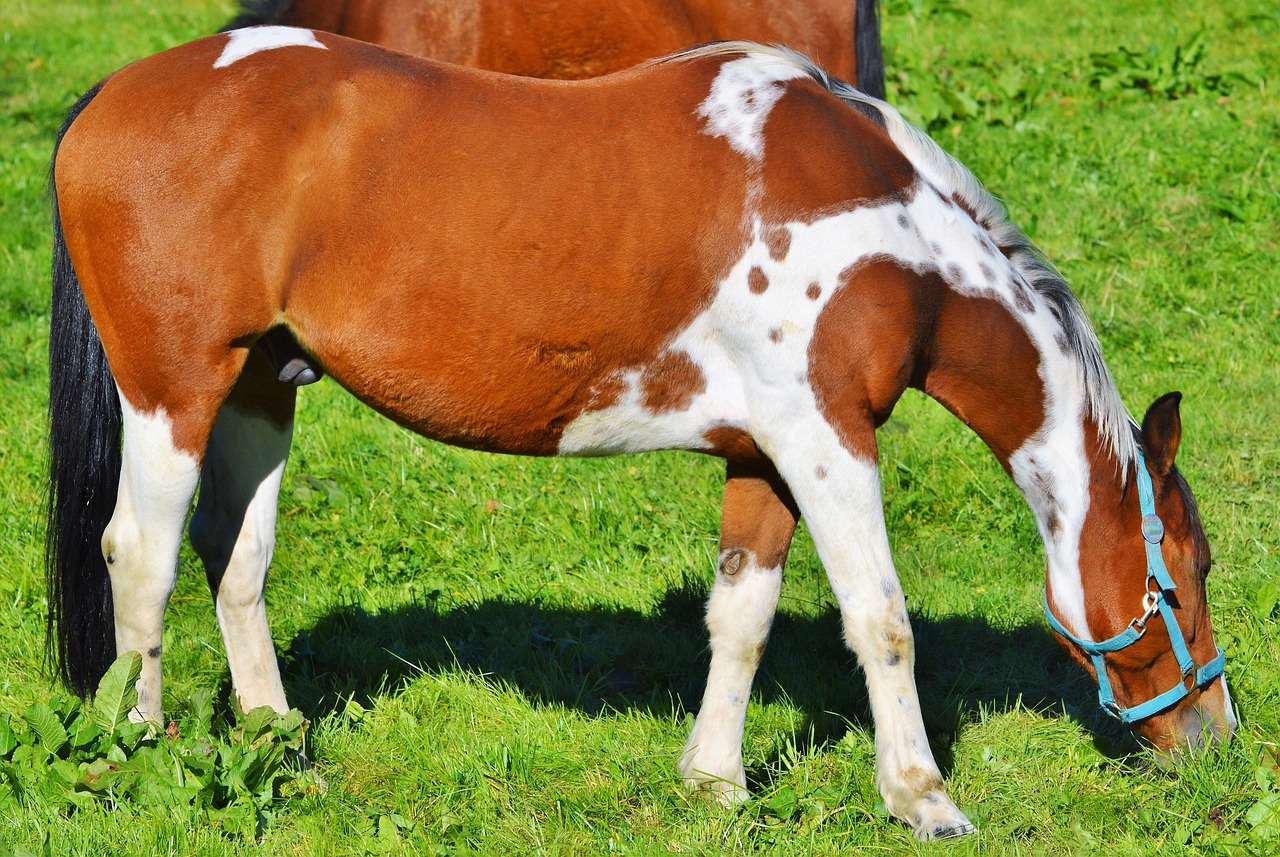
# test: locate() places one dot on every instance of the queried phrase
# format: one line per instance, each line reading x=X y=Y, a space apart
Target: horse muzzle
x=1210 y=721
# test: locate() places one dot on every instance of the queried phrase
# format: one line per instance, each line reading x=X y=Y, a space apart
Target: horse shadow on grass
x=601 y=660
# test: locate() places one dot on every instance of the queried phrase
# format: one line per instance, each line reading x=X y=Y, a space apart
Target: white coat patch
x=741 y=97
x=251 y=40
x=752 y=348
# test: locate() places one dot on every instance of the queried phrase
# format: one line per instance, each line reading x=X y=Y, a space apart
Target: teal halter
x=1153 y=602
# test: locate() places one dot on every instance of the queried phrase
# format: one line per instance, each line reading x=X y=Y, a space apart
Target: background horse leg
x=233 y=528
x=839 y=496
x=756 y=526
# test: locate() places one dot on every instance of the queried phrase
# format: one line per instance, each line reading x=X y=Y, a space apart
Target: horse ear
x=1162 y=432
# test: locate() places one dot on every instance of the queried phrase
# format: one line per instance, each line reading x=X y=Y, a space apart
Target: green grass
x=501 y=655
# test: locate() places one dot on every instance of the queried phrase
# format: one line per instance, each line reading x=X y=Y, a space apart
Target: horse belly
x=544 y=397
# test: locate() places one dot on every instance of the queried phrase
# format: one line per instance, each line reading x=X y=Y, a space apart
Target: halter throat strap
x=1154 y=602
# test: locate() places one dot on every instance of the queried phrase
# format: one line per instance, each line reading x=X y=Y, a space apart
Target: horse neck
x=1011 y=375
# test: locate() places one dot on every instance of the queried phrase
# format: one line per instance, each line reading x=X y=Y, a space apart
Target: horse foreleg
x=839 y=496
x=233 y=528
x=757 y=523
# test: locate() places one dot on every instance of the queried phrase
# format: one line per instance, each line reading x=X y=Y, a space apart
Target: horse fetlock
x=716 y=773
x=149 y=708
x=727 y=786
x=256 y=697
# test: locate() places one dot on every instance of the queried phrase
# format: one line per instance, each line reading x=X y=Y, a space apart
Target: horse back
x=574 y=39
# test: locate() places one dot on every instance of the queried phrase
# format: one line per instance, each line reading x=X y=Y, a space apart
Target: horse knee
x=888 y=641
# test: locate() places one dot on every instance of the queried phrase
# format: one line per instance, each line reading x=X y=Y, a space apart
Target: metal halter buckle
x=1150 y=606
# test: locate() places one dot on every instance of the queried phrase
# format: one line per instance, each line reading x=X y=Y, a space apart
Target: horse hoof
x=951 y=831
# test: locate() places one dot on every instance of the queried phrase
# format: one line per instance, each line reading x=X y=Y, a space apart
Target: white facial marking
x=1229 y=707
x=251 y=40
x=741 y=97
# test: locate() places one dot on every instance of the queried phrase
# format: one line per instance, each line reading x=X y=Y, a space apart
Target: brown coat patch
x=732 y=443
x=670 y=383
x=990 y=381
x=887 y=327
x=778 y=240
x=864 y=347
x=818 y=161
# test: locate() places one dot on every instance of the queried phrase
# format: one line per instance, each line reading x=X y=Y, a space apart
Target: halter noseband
x=1152 y=602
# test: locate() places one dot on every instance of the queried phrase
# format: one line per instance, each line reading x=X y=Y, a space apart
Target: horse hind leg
x=160 y=463
x=233 y=528
x=758 y=521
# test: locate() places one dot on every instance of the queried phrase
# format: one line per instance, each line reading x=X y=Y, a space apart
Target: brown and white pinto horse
x=724 y=251
x=572 y=39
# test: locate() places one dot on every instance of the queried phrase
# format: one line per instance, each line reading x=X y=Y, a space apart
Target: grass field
x=501 y=655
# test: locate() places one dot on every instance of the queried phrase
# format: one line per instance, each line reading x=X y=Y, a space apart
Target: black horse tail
x=84 y=470
x=867 y=48
x=255 y=12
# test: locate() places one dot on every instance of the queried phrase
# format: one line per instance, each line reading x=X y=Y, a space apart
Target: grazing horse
x=572 y=39
x=724 y=251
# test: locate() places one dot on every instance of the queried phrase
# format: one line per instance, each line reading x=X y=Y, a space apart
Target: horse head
x=1144 y=559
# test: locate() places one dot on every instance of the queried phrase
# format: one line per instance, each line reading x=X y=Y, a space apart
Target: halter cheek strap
x=1153 y=602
